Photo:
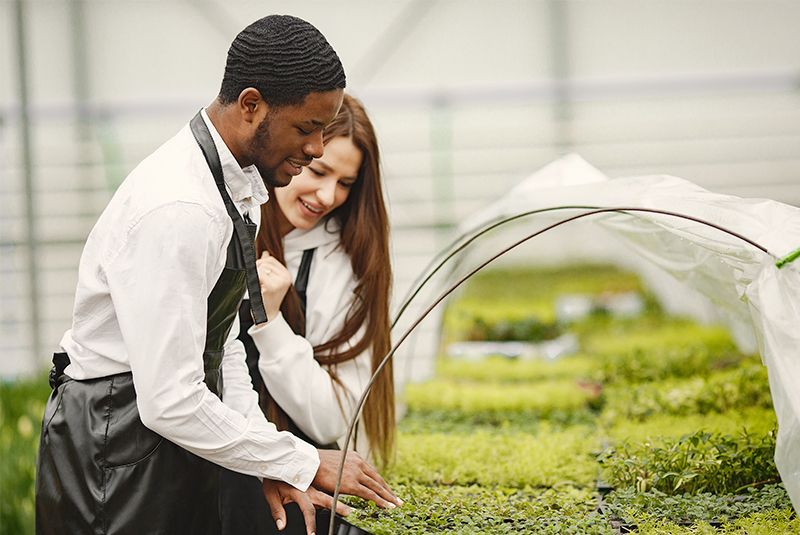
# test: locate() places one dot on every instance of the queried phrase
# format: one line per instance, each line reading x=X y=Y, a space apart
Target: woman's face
x=321 y=187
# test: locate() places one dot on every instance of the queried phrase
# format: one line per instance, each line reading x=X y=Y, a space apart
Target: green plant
x=630 y=352
x=505 y=370
x=454 y=421
x=698 y=462
x=780 y=521
x=471 y=510
x=529 y=328
x=537 y=399
x=756 y=420
x=746 y=386
x=511 y=460
x=632 y=506
x=21 y=410
x=517 y=293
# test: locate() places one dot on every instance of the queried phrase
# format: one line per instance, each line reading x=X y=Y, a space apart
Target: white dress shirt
x=301 y=386
x=145 y=275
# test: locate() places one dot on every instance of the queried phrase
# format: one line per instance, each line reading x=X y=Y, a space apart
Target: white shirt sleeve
x=238 y=392
x=163 y=263
x=302 y=387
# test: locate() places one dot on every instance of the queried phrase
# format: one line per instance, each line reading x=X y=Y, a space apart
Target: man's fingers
x=275 y=503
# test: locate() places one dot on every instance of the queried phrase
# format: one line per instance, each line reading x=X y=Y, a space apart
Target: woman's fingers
x=324 y=500
x=369 y=478
x=376 y=484
x=359 y=478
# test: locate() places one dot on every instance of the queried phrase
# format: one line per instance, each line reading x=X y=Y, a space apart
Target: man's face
x=289 y=137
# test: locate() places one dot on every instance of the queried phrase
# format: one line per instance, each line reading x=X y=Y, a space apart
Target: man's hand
x=359 y=478
x=279 y=493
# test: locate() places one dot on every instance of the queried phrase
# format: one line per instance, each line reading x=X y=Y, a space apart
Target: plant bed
x=498 y=422
x=657 y=428
x=694 y=463
x=504 y=370
x=774 y=522
x=631 y=353
x=509 y=460
x=720 y=391
x=628 y=508
x=479 y=509
x=469 y=397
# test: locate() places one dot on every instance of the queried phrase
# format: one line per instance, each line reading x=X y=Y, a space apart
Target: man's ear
x=252 y=107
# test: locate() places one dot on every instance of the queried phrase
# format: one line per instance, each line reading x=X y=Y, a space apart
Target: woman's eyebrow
x=323 y=164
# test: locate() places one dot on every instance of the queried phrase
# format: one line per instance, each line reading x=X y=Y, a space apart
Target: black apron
x=99 y=469
x=243 y=508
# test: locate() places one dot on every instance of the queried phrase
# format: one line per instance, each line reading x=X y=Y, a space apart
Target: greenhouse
x=579 y=260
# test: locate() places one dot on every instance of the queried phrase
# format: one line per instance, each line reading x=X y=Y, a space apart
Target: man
x=151 y=392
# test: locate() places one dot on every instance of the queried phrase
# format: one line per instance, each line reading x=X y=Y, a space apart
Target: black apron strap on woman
x=204 y=139
x=301 y=282
x=246 y=319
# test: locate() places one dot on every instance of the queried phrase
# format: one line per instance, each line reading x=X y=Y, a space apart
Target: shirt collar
x=245 y=184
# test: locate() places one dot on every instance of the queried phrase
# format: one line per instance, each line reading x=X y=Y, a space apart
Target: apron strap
x=60 y=362
x=301 y=282
x=206 y=142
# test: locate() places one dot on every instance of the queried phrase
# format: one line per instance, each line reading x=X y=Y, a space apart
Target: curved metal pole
x=419 y=282
x=417 y=286
x=459 y=282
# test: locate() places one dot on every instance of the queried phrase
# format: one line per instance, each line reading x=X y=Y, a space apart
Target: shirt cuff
x=301 y=470
x=273 y=334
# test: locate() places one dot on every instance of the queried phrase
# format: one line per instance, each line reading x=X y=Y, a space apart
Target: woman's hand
x=274 y=279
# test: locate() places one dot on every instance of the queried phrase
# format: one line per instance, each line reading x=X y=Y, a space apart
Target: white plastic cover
x=759 y=302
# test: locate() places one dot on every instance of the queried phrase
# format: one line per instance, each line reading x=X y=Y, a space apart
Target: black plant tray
x=340 y=526
x=295 y=524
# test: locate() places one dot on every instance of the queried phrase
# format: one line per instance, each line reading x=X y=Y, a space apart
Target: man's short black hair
x=285 y=58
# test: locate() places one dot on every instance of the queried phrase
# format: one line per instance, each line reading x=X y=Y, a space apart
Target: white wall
x=468 y=97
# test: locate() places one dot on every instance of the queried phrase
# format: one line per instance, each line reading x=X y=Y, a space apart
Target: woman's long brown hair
x=364 y=227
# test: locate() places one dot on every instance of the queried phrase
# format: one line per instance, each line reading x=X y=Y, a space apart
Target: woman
x=328 y=232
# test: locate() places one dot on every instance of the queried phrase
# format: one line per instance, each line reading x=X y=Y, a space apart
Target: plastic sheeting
x=759 y=302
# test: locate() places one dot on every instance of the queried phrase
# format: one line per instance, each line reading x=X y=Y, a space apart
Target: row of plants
x=702 y=461
x=659 y=425
x=720 y=391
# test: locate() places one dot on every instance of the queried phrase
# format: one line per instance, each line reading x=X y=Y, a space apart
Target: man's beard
x=260 y=144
